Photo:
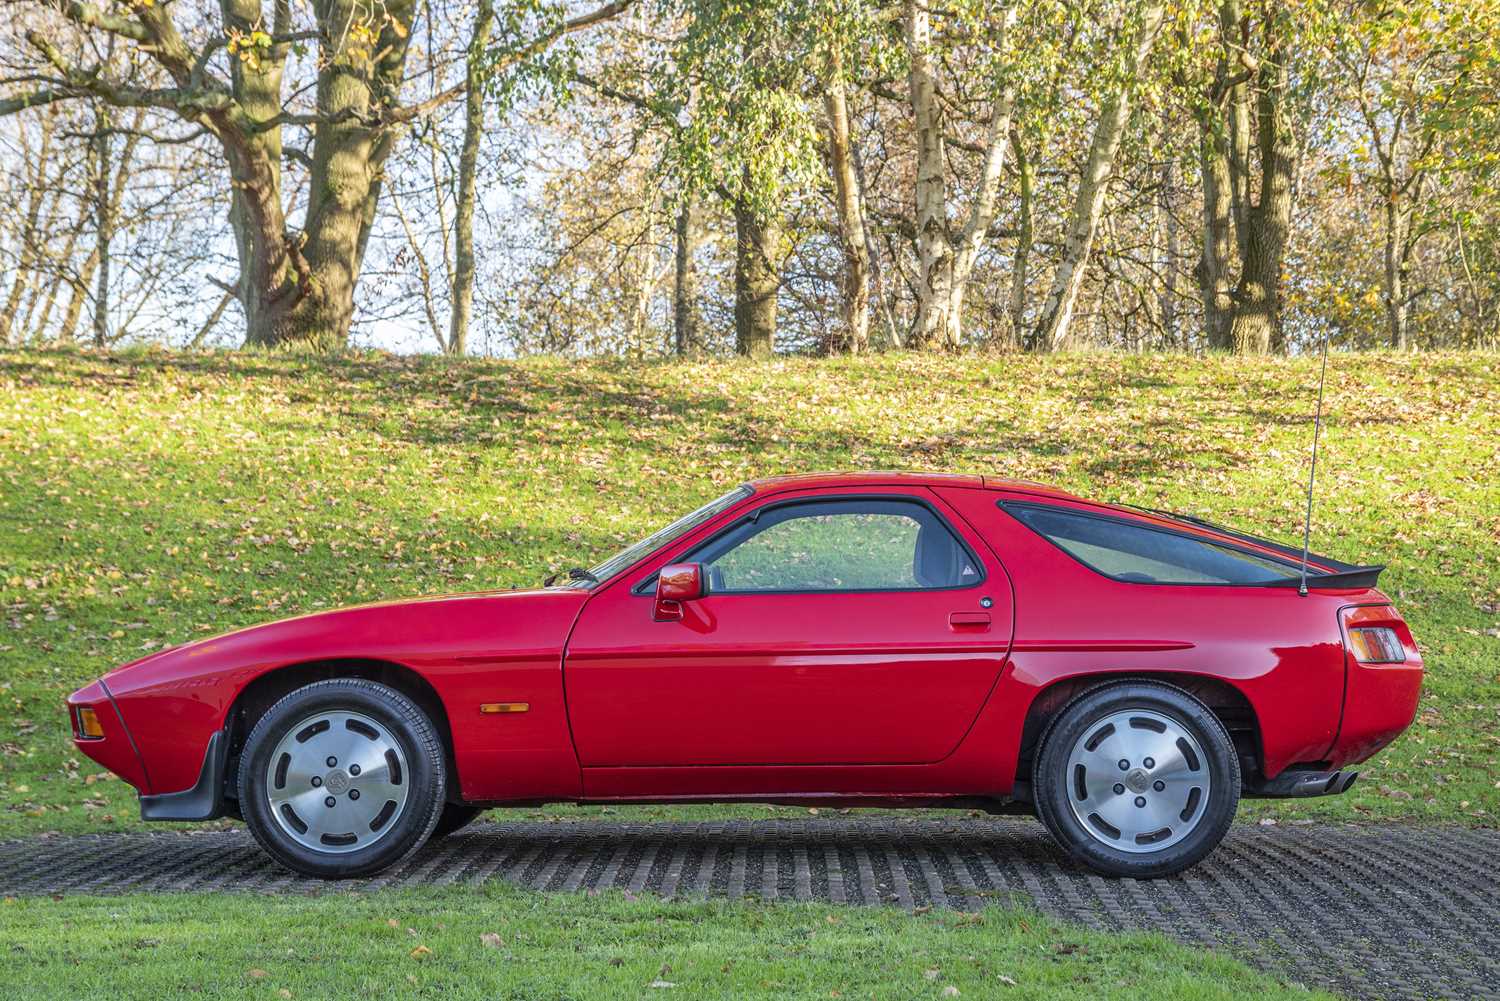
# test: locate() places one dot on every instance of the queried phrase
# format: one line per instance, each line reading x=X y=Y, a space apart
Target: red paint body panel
x=1381 y=699
x=492 y=647
x=116 y=749
x=784 y=679
x=902 y=696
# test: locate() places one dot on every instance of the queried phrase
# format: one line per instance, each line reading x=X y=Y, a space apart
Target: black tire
x=455 y=817
x=418 y=774
x=1061 y=797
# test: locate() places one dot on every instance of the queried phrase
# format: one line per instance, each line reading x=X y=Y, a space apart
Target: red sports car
x=855 y=639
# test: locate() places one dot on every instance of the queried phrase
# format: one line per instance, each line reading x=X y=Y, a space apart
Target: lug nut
x=1140 y=801
x=332 y=761
x=330 y=802
x=1159 y=785
x=317 y=780
x=1149 y=763
x=354 y=794
x=1124 y=765
x=353 y=769
x=1119 y=789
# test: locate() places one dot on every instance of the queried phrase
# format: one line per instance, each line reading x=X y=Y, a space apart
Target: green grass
x=499 y=942
x=147 y=499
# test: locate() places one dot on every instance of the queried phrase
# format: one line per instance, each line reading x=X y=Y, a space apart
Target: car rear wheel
x=1137 y=779
x=342 y=778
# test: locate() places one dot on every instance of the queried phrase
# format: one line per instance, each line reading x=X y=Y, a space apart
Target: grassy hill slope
x=148 y=499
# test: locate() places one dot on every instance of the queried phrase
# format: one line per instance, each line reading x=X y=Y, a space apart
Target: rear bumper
x=1297 y=783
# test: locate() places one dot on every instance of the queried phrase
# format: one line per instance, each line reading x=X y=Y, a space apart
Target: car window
x=676 y=530
x=1146 y=555
x=851 y=545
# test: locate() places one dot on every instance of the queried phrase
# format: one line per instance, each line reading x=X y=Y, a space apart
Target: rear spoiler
x=1354 y=577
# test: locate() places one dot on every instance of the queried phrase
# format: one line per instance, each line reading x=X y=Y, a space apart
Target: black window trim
x=1313 y=573
x=646 y=586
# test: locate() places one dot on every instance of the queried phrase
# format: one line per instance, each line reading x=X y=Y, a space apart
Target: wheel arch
x=266 y=689
x=1227 y=702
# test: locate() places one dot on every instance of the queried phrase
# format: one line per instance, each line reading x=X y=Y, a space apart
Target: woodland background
x=661 y=177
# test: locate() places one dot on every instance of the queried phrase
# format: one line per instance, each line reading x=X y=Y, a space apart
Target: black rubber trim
x=204 y=800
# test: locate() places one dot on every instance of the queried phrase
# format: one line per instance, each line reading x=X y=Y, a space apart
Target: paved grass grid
x=1373 y=911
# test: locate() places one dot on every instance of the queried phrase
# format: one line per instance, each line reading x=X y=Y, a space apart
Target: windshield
x=677 y=529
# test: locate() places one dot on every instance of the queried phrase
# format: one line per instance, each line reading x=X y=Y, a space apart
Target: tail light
x=1376 y=645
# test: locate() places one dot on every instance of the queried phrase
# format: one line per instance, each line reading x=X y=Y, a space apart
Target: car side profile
x=867 y=639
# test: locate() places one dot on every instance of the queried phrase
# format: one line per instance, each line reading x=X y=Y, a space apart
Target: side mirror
x=676 y=583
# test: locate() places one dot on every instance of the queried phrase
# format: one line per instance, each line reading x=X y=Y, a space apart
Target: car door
x=857 y=627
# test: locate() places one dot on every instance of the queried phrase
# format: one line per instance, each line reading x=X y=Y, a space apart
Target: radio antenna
x=1313 y=471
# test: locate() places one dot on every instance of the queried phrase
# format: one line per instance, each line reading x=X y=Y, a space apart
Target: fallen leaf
x=420 y=951
x=492 y=939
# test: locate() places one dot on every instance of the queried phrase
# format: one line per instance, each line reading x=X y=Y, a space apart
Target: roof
x=868 y=478
x=876 y=478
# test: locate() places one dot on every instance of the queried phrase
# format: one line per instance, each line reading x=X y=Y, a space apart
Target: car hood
x=395 y=628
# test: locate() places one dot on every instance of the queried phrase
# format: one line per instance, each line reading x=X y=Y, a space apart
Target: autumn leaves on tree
x=829 y=176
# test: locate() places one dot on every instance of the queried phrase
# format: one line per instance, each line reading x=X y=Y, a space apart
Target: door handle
x=958 y=620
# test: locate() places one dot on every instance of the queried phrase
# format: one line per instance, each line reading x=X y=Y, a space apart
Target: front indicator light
x=88 y=724
x=1376 y=645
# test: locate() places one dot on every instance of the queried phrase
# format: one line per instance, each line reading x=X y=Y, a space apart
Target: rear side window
x=1145 y=555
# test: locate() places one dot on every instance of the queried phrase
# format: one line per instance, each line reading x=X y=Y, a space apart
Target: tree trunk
x=1220 y=256
x=1395 y=274
x=855 y=336
x=757 y=280
x=1173 y=246
x=26 y=255
x=68 y=332
x=468 y=166
x=945 y=259
x=687 y=321
x=1015 y=313
x=1257 y=313
x=104 y=227
x=301 y=288
x=934 y=246
x=1057 y=313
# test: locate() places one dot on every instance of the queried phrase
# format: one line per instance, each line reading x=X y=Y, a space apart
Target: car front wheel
x=342 y=778
x=1137 y=779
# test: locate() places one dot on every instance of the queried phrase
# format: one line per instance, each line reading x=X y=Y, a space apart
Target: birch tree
x=1093 y=185
x=946 y=249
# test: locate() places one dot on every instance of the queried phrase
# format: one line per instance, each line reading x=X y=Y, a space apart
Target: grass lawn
x=500 y=942
x=147 y=499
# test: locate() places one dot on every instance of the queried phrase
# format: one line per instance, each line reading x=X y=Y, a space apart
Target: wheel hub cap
x=337 y=782
x=1138 y=781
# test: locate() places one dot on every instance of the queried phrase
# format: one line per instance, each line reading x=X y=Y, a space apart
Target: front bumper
x=115 y=750
x=1299 y=783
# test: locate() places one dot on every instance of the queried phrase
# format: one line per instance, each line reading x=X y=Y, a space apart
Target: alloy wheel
x=337 y=781
x=1138 y=781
